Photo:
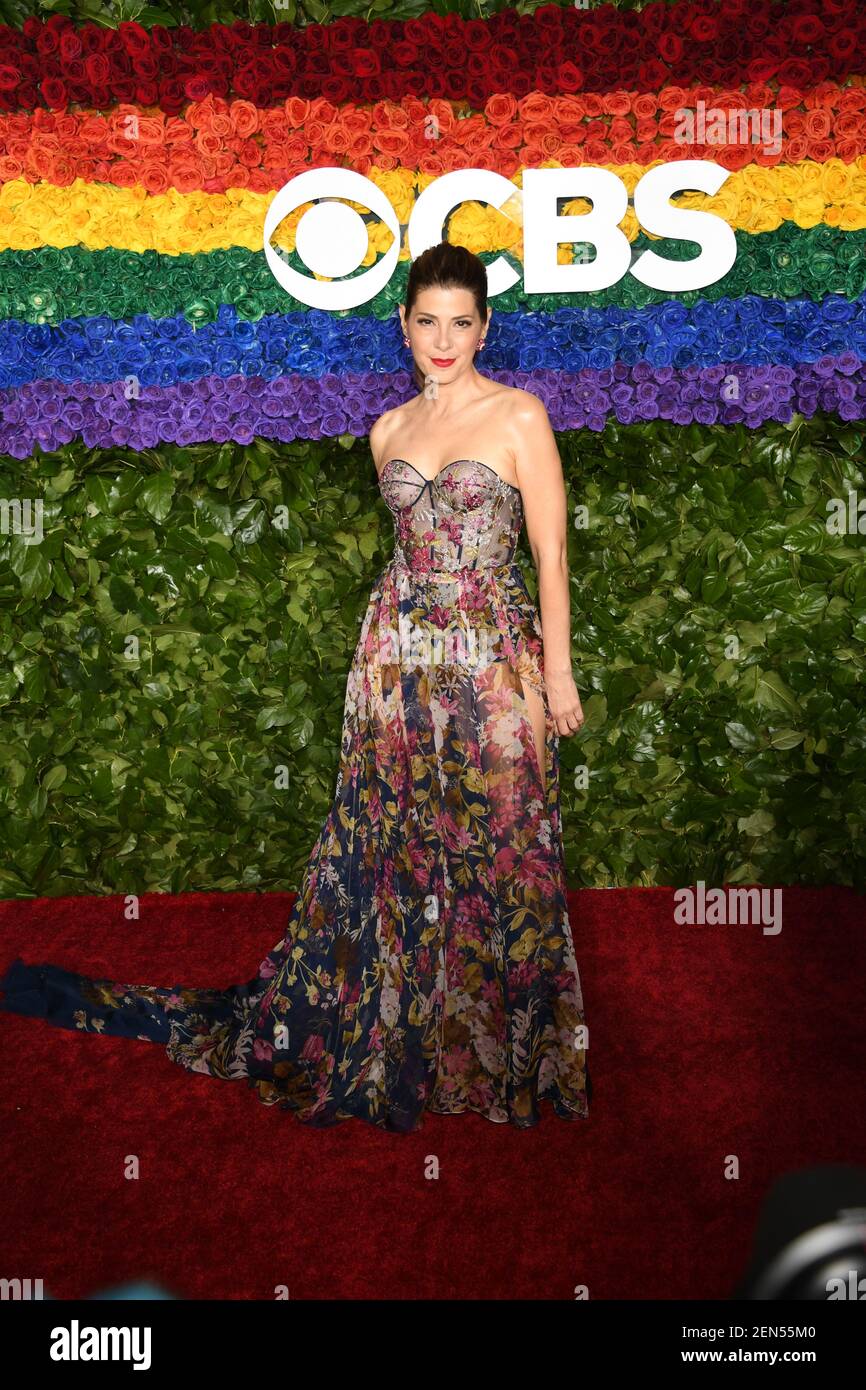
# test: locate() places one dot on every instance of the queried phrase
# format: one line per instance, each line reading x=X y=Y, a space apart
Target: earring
x=481 y=342
x=405 y=340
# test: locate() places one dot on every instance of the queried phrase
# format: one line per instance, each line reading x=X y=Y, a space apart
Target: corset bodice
x=466 y=517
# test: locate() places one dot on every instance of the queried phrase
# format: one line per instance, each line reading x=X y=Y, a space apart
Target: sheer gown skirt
x=428 y=961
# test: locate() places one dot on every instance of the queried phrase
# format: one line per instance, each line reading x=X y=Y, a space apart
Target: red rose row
x=218 y=145
x=555 y=50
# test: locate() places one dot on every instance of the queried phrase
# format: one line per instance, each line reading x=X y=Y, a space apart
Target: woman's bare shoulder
x=389 y=418
x=525 y=407
x=383 y=428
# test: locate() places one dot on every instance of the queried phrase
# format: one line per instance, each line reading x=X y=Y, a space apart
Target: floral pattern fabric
x=428 y=961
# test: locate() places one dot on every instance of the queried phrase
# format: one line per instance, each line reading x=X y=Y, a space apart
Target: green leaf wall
x=175 y=654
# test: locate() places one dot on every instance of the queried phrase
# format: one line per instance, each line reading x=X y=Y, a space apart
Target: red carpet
x=705 y=1042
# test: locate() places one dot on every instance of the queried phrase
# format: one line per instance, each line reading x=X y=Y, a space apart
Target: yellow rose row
x=98 y=216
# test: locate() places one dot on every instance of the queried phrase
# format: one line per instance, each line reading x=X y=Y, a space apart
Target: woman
x=428 y=962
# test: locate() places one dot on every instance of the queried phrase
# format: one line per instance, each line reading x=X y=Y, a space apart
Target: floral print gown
x=428 y=961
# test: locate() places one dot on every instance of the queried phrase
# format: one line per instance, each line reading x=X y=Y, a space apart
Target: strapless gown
x=428 y=961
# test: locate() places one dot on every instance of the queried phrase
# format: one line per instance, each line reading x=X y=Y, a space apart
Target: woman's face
x=443 y=331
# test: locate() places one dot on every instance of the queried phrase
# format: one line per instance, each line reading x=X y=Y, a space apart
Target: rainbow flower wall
x=168 y=400
x=138 y=167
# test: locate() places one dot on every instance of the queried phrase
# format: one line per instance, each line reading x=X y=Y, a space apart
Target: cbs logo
x=332 y=237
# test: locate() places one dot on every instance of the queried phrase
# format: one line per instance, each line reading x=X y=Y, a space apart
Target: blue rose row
x=751 y=330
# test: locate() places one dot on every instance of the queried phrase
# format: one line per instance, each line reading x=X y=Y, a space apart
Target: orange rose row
x=218 y=144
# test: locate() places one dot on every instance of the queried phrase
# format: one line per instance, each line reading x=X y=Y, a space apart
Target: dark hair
x=447 y=267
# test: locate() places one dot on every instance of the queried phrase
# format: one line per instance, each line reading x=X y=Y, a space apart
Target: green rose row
x=51 y=284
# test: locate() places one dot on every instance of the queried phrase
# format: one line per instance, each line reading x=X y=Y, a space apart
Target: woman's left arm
x=545 y=508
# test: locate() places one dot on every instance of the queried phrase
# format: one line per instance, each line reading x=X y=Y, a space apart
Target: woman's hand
x=564 y=702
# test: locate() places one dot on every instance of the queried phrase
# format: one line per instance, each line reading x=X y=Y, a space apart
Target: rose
x=197 y=87
x=145 y=69
x=136 y=39
x=208 y=143
x=171 y=95
x=244 y=118
x=54 y=92
x=153 y=177
x=98 y=69
x=47 y=38
x=248 y=156
x=184 y=175
x=220 y=123
x=69 y=45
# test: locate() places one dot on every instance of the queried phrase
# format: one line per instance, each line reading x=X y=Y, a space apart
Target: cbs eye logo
x=332 y=237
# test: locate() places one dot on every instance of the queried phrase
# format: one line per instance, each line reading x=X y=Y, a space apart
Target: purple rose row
x=52 y=413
